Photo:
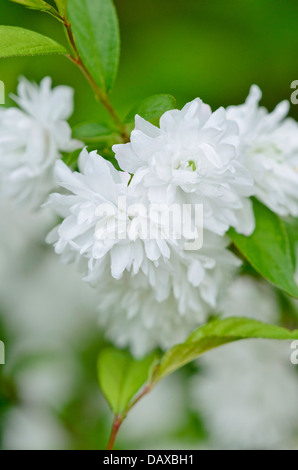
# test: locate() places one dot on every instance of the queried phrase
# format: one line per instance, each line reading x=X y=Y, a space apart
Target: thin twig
x=118 y=420
x=115 y=428
x=144 y=392
x=101 y=95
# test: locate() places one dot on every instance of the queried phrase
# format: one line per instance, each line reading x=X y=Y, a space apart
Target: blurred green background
x=211 y=49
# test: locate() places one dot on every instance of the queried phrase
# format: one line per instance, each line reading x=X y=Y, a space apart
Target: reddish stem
x=115 y=428
x=118 y=420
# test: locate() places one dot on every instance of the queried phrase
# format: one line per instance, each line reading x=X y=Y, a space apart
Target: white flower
x=32 y=139
x=152 y=292
x=163 y=308
x=96 y=226
x=247 y=391
x=269 y=144
x=192 y=158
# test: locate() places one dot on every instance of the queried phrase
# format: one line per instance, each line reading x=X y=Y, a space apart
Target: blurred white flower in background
x=192 y=158
x=269 y=147
x=159 y=414
x=29 y=266
x=251 y=298
x=247 y=391
x=47 y=313
x=33 y=429
x=32 y=138
x=48 y=381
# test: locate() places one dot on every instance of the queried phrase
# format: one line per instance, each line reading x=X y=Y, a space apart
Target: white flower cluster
x=193 y=158
x=152 y=292
x=269 y=145
x=153 y=289
x=32 y=138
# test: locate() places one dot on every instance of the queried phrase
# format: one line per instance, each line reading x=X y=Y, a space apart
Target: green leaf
x=268 y=249
x=152 y=107
x=291 y=226
x=40 y=5
x=34 y=4
x=62 y=6
x=215 y=334
x=16 y=41
x=92 y=132
x=71 y=159
x=96 y=32
x=121 y=376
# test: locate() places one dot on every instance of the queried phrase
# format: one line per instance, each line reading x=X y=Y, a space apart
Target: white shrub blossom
x=193 y=158
x=89 y=232
x=32 y=138
x=269 y=145
x=152 y=292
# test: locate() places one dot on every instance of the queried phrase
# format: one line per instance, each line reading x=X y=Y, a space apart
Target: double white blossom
x=269 y=146
x=193 y=158
x=152 y=292
x=32 y=138
x=96 y=226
